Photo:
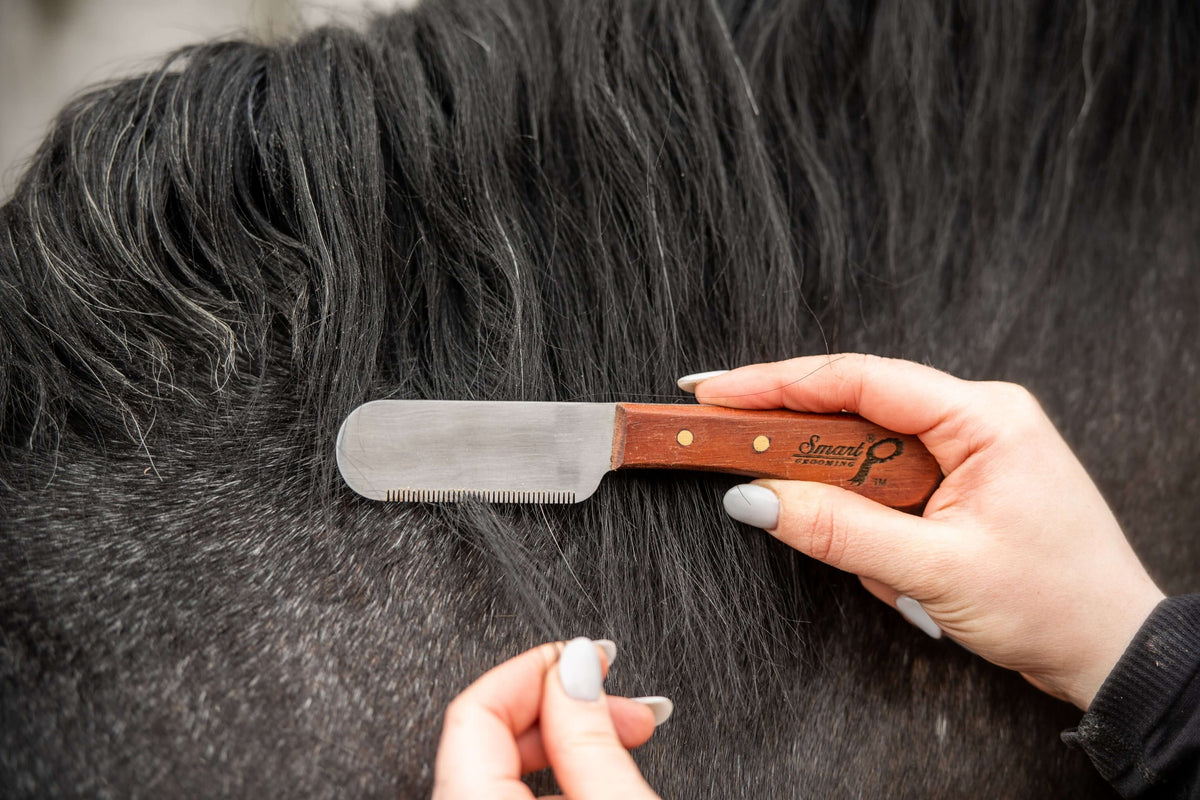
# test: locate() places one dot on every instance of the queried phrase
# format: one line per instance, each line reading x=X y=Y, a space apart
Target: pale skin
x=1016 y=557
x=517 y=719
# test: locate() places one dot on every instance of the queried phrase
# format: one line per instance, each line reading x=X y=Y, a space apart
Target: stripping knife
x=517 y=452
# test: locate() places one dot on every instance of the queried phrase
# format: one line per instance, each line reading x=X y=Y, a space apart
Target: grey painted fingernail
x=688 y=382
x=660 y=706
x=912 y=611
x=609 y=647
x=753 y=504
x=579 y=669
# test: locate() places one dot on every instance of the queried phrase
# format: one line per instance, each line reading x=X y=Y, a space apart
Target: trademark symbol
x=877 y=454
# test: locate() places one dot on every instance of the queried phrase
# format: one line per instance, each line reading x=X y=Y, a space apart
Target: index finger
x=478 y=751
x=899 y=395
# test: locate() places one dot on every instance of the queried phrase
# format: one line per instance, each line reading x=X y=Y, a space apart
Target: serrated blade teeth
x=490 y=496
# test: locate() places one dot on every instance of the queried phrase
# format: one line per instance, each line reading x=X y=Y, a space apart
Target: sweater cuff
x=1129 y=731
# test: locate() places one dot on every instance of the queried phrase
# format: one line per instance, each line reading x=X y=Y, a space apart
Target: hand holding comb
x=516 y=452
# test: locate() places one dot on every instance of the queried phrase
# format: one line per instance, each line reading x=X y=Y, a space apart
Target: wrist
x=1114 y=639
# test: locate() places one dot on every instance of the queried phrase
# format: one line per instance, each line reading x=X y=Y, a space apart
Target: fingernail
x=912 y=611
x=753 y=504
x=579 y=669
x=688 y=382
x=609 y=647
x=660 y=706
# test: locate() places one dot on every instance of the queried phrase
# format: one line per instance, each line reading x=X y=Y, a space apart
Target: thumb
x=844 y=530
x=581 y=744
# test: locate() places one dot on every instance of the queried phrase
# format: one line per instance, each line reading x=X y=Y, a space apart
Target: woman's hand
x=519 y=718
x=1017 y=555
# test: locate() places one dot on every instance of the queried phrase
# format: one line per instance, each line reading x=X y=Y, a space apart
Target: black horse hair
x=206 y=267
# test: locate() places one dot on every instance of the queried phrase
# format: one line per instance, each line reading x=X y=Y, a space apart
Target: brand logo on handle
x=871 y=452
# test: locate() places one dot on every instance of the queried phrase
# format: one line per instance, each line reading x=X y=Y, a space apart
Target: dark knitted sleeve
x=1142 y=730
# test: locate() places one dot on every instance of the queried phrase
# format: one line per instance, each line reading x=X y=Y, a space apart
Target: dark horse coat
x=207 y=267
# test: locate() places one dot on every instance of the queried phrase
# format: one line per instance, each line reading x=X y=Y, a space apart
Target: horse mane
x=206 y=267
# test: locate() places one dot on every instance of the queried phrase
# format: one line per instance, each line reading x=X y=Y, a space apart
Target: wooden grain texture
x=839 y=449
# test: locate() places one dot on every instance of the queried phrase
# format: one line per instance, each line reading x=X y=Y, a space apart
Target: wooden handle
x=840 y=449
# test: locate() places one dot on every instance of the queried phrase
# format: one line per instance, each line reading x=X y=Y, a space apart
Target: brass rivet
x=761 y=443
x=684 y=437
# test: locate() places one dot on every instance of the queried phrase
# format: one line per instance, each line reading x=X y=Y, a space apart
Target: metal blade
x=499 y=452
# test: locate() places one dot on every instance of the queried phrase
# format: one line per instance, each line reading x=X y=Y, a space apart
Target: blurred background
x=52 y=49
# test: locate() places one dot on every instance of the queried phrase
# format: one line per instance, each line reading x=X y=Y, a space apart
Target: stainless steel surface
x=446 y=450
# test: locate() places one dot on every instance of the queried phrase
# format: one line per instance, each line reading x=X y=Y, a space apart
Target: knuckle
x=456 y=714
x=850 y=373
x=828 y=533
x=588 y=741
x=1014 y=397
x=866 y=361
x=1018 y=407
x=454 y=710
